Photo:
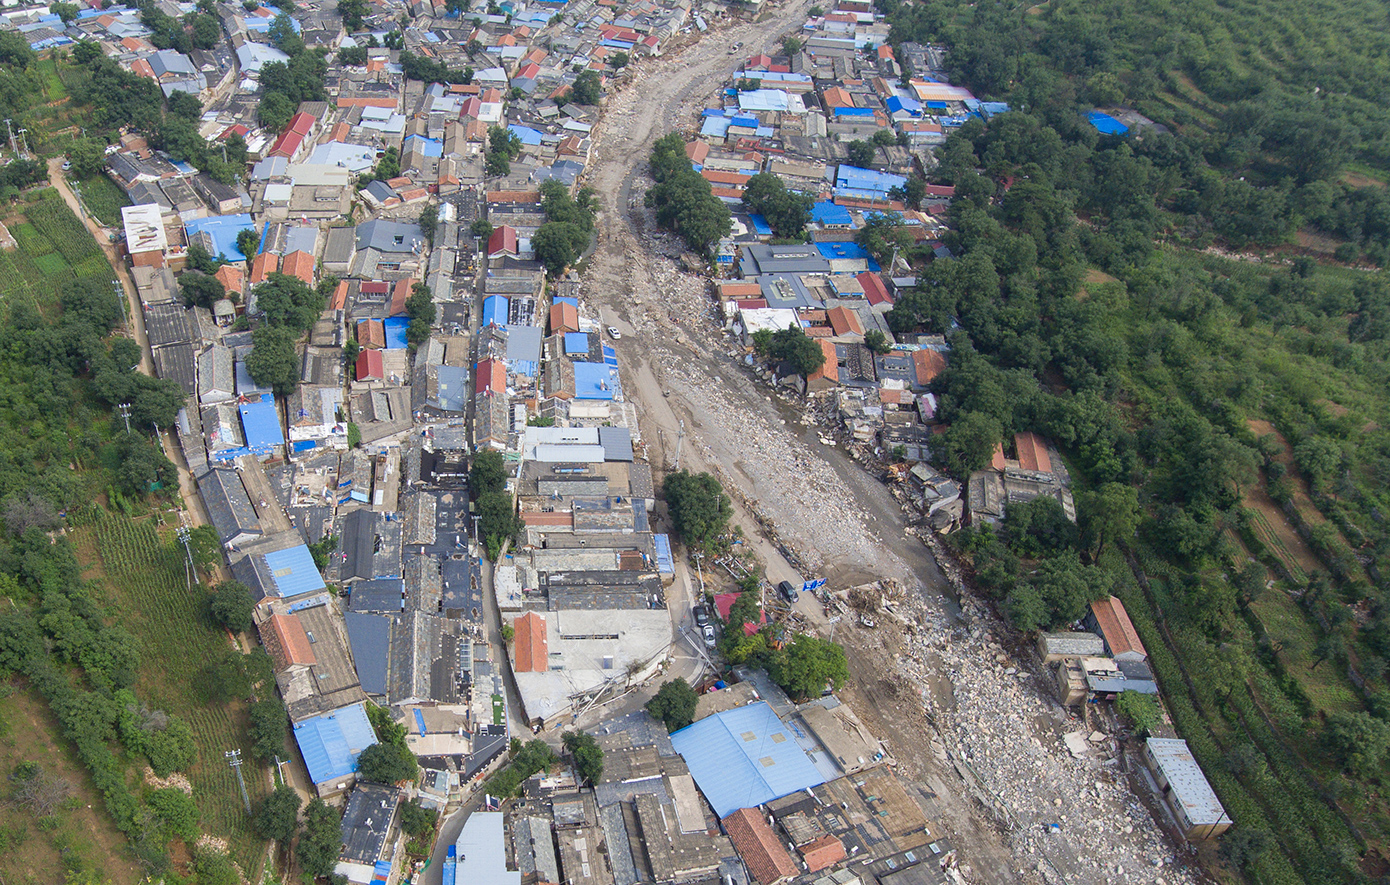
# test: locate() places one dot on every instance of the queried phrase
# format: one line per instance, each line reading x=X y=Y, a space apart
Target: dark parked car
x=701 y=615
x=788 y=591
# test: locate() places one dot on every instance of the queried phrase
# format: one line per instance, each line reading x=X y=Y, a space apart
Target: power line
x=124 y=411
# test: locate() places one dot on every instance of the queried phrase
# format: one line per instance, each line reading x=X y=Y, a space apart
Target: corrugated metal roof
x=332 y=742
x=369 y=636
x=293 y=571
x=744 y=757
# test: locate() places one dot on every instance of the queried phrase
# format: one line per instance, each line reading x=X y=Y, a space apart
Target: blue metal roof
x=747 y=122
x=294 y=572
x=223 y=230
x=261 y=422
x=665 y=564
x=760 y=225
x=847 y=250
x=715 y=126
x=576 y=342
x=826 y=212
x=428 y=146
x=525 y=133
x=744 y=757
x=594 y=381
x=854 y=112
x=394 y=328
x=495 y=310
x=854 y=178
x=565 y=299
x=332 y=742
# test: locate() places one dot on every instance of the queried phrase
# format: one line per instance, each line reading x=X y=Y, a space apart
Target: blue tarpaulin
x=1106 y=124
x=395 y=332
x=760 y=225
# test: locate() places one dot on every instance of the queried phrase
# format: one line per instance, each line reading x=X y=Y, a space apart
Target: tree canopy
x=273 y=361
x=674 y=704
x=699 y=508
x=586 y=754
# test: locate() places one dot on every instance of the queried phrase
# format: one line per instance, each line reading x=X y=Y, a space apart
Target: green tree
x=481 y=228
x=352 y=56
x=1110 y=513
x=586 y=753
x=791 y=45
x=488 y=473
x=289 y=301
x=968 y=443
x=1359 y=741
x=883 y=235
x=559 y=244
x=320 y=840
x=88 y=157
x=274 y=111
x=416 y=820
x=674 y=704
x=875 y=340
x=353 y=13
x=1141 y=710
x=861 y=154
x=387 y=763
x=65 y=11
x=786 y=212
x=618 y=60
x=429 y=221
x=587 y=88
x=796 y=347
x=215 y=868
x=231 y=604
x=700 y=510
x=200 y=289
x=273 y=362
x=177 y=812
x=248 y=242
x=809 y=665
x=497 y=521
x=1243 y=846
x=267 y=728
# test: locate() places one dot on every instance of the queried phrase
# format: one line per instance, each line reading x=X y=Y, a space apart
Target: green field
x=54 y=247
x=104 y=199
x=146 y=583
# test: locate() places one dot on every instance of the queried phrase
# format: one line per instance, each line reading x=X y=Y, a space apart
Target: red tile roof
x=232 y=277
x=761 y=850
x=724 y=602
x=289 y=633
x=339 y=300
x=844 y=321
x=830 y=369
x=874 y=290
x=502 y=242
x=928 y=363
x=299 y=264
x=697 y=151
x=997 y=460
x=563 y=318
x=399 y=295
x=532 y=654
x=824 y=852
x=1116 y=627
x=262 y=265
x=491 y=376
x=371 y=333
x=370 y=366
x=1032 y=452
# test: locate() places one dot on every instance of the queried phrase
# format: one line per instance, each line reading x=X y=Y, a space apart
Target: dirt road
x=833 y=519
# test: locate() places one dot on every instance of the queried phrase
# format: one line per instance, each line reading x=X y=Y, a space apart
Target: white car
x=614 y=333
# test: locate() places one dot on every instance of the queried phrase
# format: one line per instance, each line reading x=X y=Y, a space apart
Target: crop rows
x=63 y=229
x=147 y=573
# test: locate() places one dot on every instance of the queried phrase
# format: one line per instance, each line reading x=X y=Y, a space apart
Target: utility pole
x=680 y=438
x=13 y=147
x=186 y=536
x=124 y=411
x=833 y=621
x=234 y=759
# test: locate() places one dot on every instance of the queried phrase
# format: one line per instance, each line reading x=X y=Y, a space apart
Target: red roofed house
x=698 y=152
x=232 y=277
x=398 y=296
x=1109 y=618
x=563 y=318
x=299 y=264
x=502 y=242
x=822 y=853
x=874 y=291
x=371 y=334
x=289 y=642
x=263 y=265
x=844 y=321
x=928 y=363
x=761 y=850
x=532 y=652
x=997 y=460
x=292 y=139
x=491 y=376
x=370 y=366
x=724 y=603
x=828 y=375
x=1032 y=453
